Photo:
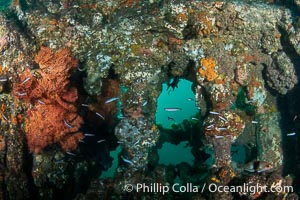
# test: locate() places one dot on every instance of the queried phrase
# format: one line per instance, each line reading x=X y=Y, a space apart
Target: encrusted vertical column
x=222 y=129
x=136 y=137
x=269 y=136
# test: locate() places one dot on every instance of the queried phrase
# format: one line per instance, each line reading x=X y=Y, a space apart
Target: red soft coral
x=55 y=70
x=50 y=124
x=54 y=118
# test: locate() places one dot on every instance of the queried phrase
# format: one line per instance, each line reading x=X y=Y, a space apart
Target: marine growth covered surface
x=159 y=99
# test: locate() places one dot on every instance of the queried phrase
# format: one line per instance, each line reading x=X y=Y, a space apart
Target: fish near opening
x=176 y=104
x=100 y=115
x=179 y=120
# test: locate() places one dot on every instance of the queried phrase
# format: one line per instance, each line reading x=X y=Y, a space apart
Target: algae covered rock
x=281 y=73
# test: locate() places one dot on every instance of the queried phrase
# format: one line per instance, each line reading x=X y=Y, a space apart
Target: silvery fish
x=41 y=102
x=98 y=114
x=219 y=136
x=67 y=124
x=222 y=118
x=89 y=135
x=145 y=103
x=295 y=118
x=111 y=100
x=291 y=134
x=127 y=161
x=210 y=126
x=70 y=153
x=172 y=109
x=214 y=113
x=27 y=79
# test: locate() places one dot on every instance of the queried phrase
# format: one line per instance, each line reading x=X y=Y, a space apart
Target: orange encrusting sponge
x=207 y=69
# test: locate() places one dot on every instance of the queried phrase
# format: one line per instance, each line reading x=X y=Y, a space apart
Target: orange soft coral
x=51 y=123
x=23 y=89
x=54 y=72
x=207 y=69
x=54 y=118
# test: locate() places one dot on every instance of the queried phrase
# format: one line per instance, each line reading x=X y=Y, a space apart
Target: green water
x=171 y=154
x=182 y=97
x=4 y=4
x=238 y=154
x=112 y=170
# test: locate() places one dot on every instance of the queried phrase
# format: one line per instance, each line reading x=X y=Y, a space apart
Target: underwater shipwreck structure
x=149 y=99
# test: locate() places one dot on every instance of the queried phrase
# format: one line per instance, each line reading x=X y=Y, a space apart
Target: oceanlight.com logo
x=212 y=187
x=251 y=189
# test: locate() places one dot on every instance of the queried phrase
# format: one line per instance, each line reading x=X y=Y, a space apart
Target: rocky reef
x=81 y=78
